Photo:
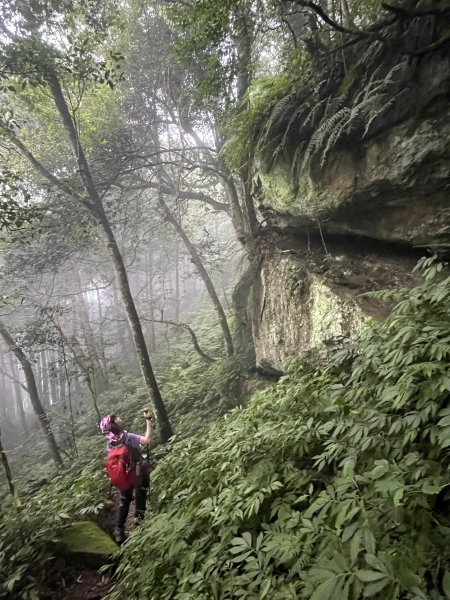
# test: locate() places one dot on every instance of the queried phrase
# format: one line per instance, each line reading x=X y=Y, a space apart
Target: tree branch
x=187 y=195
x=205 y=357
x=323 y=15
x=14 y=379
x=437 y=44
x=44 y=172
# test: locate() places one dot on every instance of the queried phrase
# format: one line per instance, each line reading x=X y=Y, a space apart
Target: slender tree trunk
x=38 y=362
x=18 y=393
x=62 y=385
x=89 y=338
x=244 y=52
x=95 y=207
x=4 y=391
x=150 y=295
x=136 y=330
x=101 y=335
x=196 y=259
x=9 y=478
x=177 y=281
x=44 y=374
x=52 y=378
x=34 y=396
x=83 y=364
x=123 y=327
x=237 y=216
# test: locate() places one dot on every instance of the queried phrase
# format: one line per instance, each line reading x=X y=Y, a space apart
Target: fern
x=323 y=132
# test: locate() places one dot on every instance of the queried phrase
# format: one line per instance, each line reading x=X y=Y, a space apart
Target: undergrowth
x=331 y=484
x=195 y=394
x=49 y=501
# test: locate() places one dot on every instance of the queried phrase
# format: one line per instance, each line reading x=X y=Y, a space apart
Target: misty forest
x=234 y=214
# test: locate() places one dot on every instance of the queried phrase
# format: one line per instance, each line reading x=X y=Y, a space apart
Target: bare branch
x=186 y=195
x=205 y=357
x=64 y=187
x=325 y=17
x=14 y=379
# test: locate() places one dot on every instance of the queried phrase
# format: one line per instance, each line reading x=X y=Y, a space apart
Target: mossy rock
x=86 y=543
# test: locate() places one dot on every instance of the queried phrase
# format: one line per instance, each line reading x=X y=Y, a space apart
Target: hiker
x=113 y=429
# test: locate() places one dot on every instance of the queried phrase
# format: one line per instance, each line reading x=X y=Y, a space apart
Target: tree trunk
x=81 y=361
x=44 y=375
x=37 y=360
x=89 y=338
x=4 y=389
x=196 y=259
x=136 y=330
x=34 y=396
x=18 y=393
x=125 y=337
x=149 y=296
x=101 y=335
x=95 y=207
x=9 y=478
x=52 y=378
x=237 y=216
x=177 y=282
x=62 y=383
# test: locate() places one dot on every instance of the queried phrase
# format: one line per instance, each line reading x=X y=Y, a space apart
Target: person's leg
x=124 y=506
x=142 y=488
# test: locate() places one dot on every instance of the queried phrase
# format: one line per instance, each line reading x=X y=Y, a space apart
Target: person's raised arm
x=145 y=439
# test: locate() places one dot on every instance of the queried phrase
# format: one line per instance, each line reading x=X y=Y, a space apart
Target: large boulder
x=395 y=188
x=85 y=543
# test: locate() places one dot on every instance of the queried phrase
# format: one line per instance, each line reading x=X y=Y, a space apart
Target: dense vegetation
x=331 y=483
x=133 y=141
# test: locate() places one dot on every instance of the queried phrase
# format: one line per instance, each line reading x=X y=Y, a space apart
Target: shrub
x=332 y=484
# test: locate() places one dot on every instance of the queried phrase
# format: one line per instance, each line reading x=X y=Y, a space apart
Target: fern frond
x=325 y=129
x=296 y=165
x=382 y=109
x=276 y=116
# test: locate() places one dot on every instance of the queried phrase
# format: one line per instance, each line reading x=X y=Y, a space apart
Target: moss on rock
x=85 y=542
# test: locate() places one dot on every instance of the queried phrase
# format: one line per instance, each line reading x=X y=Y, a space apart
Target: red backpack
x=121 y=468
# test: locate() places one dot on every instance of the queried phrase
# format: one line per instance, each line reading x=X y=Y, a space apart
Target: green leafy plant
x=331 y=484
x=48 y=502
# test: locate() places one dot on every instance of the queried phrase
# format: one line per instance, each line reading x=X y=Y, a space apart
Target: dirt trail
x=74 y=582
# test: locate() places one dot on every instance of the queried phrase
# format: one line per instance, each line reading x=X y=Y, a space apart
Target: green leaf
x=431 y=489
x=373 y=588
x=446 y=585
x=355 y=545
x=369 y=541
x=398 y=495
x=265 y=589
x=369 y=576
x=326 y=590
x=237 y=549
x=241 y=557
x=349 y=531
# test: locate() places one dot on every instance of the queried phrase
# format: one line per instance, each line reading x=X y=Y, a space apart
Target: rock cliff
x=354 y=224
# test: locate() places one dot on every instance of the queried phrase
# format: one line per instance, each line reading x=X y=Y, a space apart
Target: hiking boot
x=119 y=535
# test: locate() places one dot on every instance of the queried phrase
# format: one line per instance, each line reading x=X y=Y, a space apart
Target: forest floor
x=69 y=581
